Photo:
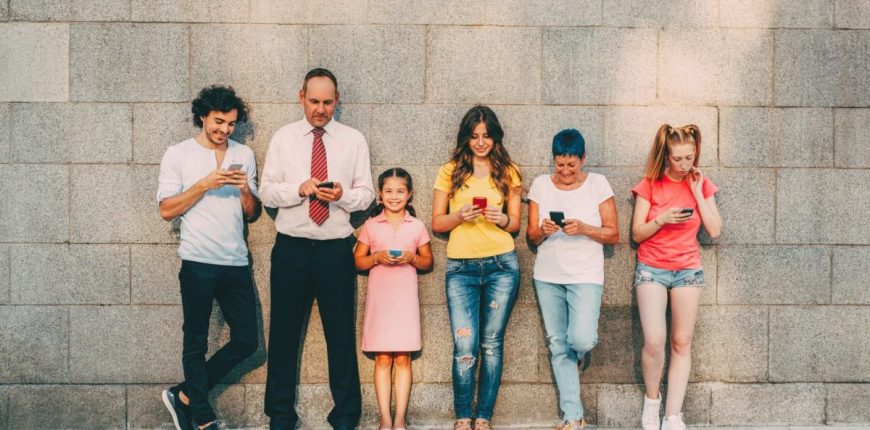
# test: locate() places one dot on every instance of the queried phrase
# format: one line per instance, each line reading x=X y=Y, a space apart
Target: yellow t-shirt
x=479 y=238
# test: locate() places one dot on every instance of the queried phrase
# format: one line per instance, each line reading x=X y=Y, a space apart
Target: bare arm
x=250 y=202
x=642 y=230
x=509 y=222
x=607 y=234
x=422 y=260
x=179 y=204
x=365 y=261
x=536 y=233
x=706 y=207
x=442 y=222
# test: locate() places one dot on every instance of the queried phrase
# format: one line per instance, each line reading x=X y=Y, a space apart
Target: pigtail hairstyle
x=395 y=172
x=502 y=166
x=666 y=136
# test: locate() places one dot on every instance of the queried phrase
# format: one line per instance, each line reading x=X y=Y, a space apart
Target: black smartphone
x=689 y=211
x=558 y=217
x=329 y=184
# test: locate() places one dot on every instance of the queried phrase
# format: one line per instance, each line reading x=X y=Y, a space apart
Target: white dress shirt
x=212 y=230
x=288 y=165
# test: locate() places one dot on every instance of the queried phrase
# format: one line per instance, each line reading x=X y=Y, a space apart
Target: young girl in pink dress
x=392 y=246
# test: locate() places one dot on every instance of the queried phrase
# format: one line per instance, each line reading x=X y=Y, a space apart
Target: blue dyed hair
x=569 y=142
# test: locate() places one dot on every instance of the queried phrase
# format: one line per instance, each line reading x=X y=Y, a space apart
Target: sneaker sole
x=171 y=408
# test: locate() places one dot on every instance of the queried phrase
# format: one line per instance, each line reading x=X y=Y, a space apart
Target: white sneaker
x=649 y=420
x=673 y=422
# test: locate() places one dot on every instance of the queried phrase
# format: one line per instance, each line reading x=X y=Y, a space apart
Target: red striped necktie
x=318 y=210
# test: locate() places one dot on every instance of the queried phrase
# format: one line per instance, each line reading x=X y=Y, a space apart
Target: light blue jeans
x=571 y=314
x=480 y=296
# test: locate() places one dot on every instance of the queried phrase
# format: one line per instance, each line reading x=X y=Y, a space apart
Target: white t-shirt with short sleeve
x=212 y=231
x=564 y=259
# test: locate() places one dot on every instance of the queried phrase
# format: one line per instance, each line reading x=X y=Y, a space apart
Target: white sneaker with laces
x=673 y=422
x=649 y=420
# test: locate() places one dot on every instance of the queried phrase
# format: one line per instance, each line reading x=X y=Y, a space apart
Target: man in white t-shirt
x=209 y=182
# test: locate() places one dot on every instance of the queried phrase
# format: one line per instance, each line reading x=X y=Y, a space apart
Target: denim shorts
x=644 y=274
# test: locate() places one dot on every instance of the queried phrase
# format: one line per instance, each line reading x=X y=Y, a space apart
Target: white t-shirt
x=564 y=259
x=212 y=231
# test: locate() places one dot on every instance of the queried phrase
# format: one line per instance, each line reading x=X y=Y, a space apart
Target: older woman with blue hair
x=572 y=214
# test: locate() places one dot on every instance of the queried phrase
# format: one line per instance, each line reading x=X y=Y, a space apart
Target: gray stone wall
x=92 y=92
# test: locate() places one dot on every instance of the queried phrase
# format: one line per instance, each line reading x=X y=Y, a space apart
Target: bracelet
x=508 y=216
x=656 y=222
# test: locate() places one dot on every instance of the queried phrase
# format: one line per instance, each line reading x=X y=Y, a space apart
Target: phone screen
x=558 y=217
x=235 y=167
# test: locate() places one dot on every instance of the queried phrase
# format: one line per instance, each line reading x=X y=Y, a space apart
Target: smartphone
x=395 y=253
x=329 y=184
x=479 y=202
x=235 y=166
x=558 y=218
x=689 y=211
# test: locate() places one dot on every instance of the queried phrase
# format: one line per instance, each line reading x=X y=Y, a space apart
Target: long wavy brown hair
x=502 y=167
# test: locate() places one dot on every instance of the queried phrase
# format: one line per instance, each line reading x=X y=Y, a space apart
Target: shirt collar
x=383 y=218
x=329 y=128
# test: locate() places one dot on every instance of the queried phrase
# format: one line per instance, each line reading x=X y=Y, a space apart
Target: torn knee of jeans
x=493 y=305
x=489 y=344
x=463 y=332
x=466 y=362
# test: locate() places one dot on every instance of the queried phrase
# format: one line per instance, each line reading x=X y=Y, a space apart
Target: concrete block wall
x=92 y=92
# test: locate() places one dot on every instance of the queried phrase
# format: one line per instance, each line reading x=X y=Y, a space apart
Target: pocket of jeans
x=453 y=266
x=508 y=262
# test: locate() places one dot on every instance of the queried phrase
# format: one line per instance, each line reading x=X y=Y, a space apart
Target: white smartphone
x=235 y=166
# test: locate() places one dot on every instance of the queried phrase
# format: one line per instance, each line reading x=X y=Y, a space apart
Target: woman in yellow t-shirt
x=472 y=192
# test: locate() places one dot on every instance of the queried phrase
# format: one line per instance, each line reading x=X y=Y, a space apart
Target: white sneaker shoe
x=673 y=422
x=649 y=420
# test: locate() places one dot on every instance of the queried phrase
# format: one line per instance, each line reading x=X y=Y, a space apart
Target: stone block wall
x=93 y=91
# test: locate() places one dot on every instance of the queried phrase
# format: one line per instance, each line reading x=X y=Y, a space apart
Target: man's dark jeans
x=233 y=289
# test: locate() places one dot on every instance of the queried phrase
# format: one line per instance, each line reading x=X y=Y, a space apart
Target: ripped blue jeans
x=480 y=296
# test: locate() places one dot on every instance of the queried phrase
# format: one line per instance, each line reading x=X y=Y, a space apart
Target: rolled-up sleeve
x=252 y=173
x=169 y=181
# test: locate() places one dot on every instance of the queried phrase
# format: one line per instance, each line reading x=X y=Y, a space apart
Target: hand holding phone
x=479 y=202
x=558 y=217
x=327 y=184
x=687 y=211
x=395 y=253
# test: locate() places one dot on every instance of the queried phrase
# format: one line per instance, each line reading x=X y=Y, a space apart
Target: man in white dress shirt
x=317 y=172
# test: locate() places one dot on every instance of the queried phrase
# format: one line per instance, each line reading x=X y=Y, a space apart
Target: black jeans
x=233 y=289
x=304 y=270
